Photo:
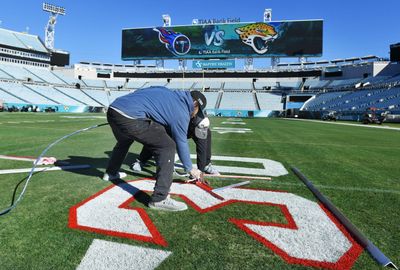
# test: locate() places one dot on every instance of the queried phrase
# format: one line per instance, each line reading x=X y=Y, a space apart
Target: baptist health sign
x=214 y=64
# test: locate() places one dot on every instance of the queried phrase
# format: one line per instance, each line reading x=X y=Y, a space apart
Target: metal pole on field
x=357 y=235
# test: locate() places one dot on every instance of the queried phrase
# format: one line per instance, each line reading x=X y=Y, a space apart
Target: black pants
x=203 y=151
x=154 y=137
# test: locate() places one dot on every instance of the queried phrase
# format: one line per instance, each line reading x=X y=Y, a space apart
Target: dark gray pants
x=203 y=151
x=154 y=137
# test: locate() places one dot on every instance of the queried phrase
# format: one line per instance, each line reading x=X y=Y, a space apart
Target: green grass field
x=356 y=168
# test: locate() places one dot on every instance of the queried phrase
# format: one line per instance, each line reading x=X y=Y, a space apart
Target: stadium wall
x=53 y=108
x=241 y=113
x=220 y=74
x=386 y=68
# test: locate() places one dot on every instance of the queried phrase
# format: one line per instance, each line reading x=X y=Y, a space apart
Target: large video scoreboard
x=238 y=40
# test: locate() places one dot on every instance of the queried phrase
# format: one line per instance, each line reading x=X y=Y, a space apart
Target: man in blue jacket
x=158 y=118
x=199 y=131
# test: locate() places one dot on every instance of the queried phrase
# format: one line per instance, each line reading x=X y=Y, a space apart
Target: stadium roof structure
x=352 y=59
x=369 y=57
x=324 y=63
x=335 y=61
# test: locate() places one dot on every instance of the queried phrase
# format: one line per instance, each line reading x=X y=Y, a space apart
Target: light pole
x=50 y=28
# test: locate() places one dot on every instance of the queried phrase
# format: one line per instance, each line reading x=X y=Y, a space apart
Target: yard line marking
x=26 y=121
x=84 y=117
x=235 y=119
x=233 y=123
x=45 y=169
x=17 y=158
x=45 y=121
x=344 y=124
x=223 y=130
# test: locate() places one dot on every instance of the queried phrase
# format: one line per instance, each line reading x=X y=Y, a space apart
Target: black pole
x=356 y=234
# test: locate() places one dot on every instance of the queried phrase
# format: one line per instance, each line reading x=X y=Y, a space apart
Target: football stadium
x=305 y=151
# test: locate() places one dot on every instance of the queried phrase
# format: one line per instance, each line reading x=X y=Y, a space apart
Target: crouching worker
x=199 y=131
x=158 y=118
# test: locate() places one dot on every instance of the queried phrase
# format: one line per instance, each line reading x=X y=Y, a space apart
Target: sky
x=92 y=30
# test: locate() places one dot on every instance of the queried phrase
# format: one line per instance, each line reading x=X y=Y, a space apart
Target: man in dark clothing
x=200 y=132
x=158 y=118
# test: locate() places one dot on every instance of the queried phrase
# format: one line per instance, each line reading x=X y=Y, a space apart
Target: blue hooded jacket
x=172 y=109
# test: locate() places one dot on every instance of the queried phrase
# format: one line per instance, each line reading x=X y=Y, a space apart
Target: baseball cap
x=201 y=120
x=201 y=100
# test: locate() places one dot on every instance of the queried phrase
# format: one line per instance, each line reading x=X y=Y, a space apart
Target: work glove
x=195 y=173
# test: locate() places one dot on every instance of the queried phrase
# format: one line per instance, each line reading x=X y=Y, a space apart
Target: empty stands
x=56 y=95
x=269 y=101
x=238 y=85
x=8 y=37
x=45 y=75
x=208 y=85
x=114 y=83
x=237 y=101
x=19 y=73
x=212 y=98
x=78 y=95
x=19 y=90
x=135 y=84
x=181 y=84
x=358 y=100
x=94 y=83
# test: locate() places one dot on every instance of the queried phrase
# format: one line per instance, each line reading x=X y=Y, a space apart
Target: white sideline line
x=83 y=117
x=17 y=158
x=343 y=124
x=45 y=169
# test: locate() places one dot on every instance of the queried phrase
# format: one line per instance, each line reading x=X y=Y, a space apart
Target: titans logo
x=176 y=43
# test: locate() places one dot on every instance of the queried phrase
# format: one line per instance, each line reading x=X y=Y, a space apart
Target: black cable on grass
x=357 y=235
x=15 y=193
x=14 y=202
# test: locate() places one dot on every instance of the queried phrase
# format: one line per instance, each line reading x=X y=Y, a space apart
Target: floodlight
x=267 y=15
x=53 y=9
x=166 y=20
x=51 y=24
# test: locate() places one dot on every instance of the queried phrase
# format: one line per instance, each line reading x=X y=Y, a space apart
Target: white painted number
x=270 y=167
x=309 y=237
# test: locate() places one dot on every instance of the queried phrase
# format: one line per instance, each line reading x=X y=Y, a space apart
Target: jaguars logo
x=176 y=43
x=257 y=36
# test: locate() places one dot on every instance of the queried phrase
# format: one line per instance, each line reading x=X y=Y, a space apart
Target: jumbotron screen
x=239 y=40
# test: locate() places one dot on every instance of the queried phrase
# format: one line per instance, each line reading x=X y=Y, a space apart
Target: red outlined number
x=310 y=236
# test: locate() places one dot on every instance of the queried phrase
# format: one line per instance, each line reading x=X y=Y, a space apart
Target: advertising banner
x=237 y=40
x=212 y=64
